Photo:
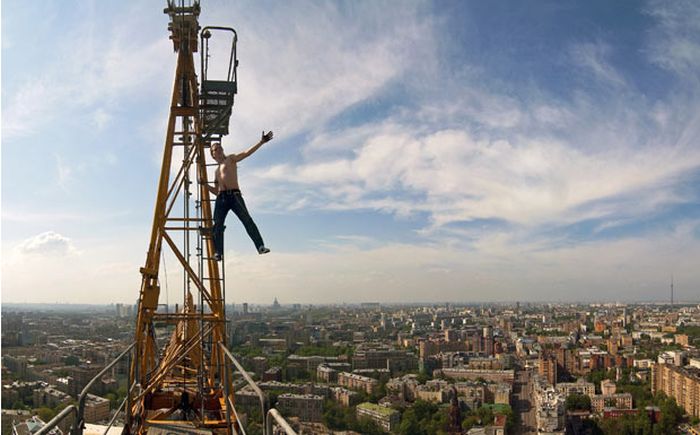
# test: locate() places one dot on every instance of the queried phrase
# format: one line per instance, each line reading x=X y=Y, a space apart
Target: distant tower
x=671 y=290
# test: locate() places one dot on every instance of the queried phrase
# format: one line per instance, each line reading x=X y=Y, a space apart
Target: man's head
x=217 y=151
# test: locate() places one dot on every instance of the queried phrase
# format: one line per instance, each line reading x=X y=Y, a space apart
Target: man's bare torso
x=227 y=174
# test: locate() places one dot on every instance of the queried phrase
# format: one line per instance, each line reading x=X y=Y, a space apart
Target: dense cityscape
x=406 y=369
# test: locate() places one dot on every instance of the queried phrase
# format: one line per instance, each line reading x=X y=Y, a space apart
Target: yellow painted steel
x=191 y=366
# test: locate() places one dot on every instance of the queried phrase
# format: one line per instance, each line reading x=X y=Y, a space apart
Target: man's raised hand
x=266 y=137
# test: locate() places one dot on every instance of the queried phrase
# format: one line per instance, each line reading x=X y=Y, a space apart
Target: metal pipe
x=57 y=419
x=238 y=419
x=227 y=393
x=77 y=428
x=275 y=414
x=116 y=413
x=249 y=380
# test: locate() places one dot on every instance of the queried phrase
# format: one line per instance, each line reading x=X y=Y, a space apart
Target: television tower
x=671 y=290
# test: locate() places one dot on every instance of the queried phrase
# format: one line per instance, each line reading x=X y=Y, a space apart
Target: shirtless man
x=228 y=196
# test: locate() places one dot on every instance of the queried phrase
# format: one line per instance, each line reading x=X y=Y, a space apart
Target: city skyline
x=446 y=152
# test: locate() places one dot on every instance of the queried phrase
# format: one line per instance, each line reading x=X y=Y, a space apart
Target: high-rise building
x=619 y=401
x=308 y=407
x=387 y=418
x=450 y=335
x=681 y=383
x=548 y=367
x=488 y=340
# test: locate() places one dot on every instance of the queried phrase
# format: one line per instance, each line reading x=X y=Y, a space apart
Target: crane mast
x=183 y=383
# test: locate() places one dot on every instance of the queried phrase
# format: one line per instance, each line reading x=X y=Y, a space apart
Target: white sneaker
x=263 y=250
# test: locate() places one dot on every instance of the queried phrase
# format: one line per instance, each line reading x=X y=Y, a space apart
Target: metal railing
x=79 y=423
x=70 y=409
x=268 y=415
x=275 y=415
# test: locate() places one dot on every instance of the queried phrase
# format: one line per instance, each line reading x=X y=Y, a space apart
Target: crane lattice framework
x=186 y=383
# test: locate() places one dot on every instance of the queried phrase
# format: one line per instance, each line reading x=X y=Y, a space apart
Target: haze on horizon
x=442 y=151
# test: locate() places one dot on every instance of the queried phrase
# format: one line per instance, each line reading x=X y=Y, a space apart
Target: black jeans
x=233 y=200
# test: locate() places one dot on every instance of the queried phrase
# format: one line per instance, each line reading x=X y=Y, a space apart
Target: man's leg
x=241 y=211
x=220 y=211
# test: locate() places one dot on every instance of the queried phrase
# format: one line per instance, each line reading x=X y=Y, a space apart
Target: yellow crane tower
x=186 y=383
x=182 y=383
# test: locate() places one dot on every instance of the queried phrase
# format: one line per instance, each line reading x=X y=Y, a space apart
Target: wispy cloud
x=594 y=56
x=89 y=70
x=675 y=44
x=295 y=78
x=498 y=176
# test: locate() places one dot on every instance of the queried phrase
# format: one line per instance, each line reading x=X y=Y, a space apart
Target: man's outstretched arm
x=266 y=137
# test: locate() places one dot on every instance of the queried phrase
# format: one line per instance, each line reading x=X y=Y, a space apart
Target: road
x=523 y=403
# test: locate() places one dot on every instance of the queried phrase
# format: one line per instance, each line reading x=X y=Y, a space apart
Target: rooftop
x=383 y=410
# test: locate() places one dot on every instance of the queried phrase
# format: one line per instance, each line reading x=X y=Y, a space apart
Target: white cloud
x=90 y=67
x=49 y=267
x=594 y=57
x=47 y=243
x=293 y=78
x=458 y=177
x=675 y=44
x=499 y=269
x=456 y=150
x=470 y=152
x=353 y=269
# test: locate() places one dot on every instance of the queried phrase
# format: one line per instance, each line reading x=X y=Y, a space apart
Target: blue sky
x=423 y=151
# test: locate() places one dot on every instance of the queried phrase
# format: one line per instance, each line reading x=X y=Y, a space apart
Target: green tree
x=71 y=360
x=409 y=424
x=422 y=378
x=485 y=414
x=378 y=392
x=423 y=409
x=598 y=375
x=113 y=402
x=45 y=413
x=334 y=416
x=578 y=402
x=469 y=421
x=367 y=426
x=671 y=413
x=437 y=423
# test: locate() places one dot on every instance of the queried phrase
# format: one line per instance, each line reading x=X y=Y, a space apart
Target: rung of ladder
x=181 y=228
